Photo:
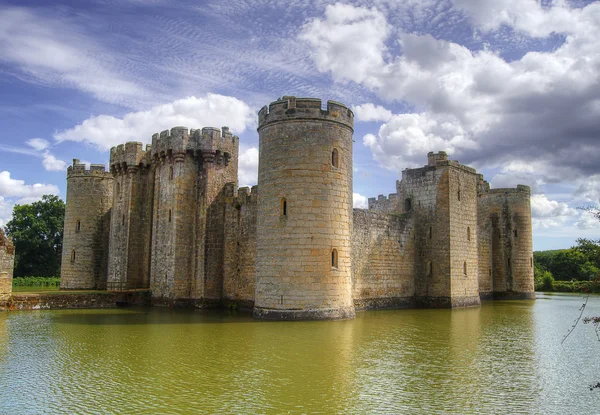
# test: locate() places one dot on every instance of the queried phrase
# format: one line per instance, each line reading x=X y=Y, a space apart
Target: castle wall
x=384 y=204
x=484 y=242
x=382 y=260
x=131 y=219
x=427 y=190
x=510 y=240
x=464 y=265
x=86 y=229
x=304 y=254
x=7 y=264
x=239 y=279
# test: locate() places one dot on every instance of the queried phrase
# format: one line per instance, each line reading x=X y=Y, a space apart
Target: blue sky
x=510 y=87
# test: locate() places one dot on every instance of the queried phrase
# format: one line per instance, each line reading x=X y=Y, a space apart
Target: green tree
x=37 y=232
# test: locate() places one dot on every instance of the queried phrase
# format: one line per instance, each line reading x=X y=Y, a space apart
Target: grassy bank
x=21 y=284
x=569 y=286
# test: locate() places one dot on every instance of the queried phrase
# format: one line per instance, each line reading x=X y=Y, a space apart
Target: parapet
x=180 y=140
x=434 y=158
x=78 y=170
x=383 y=204
x=292 y=108
x=246 y=195
x=130 y=154
x=521 y=189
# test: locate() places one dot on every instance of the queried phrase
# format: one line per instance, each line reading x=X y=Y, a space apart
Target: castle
x=170 y=218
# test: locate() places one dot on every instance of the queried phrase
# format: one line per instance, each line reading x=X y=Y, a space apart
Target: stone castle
x=7 y=264
x=170 y=218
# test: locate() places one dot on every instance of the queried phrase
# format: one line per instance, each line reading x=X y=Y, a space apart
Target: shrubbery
x=36 y=282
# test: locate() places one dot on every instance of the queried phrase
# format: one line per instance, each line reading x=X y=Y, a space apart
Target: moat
x=505 y=357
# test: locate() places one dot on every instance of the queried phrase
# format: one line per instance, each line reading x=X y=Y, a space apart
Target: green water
x=505 y=357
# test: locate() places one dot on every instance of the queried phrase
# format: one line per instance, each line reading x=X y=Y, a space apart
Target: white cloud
x=53 y=51
x=14 y=191
x=371 y=112
x=495 y=110
x=547 y=213
x=349 y=42
x=212 y=110
x=10 y=187
x=406 y=139
x=360 y=201
x=38 y=144
x=248 y=167
x=587 y=221
x=51 y=163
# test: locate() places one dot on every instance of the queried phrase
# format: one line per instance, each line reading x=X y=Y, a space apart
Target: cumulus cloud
x=51 y=163
x=360 y=201
x=14 y=191
x=371 y=112
x=38 y=144
x=547 y=213
x=248 y=167
x=211 y=110
x=542 y=107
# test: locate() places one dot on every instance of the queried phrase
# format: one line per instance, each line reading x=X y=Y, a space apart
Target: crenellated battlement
x=78 y=170
x=128 y=155
x=521 y=188
x=208 y=140
x=383 y=204
x=246 y=195
x=292 y=108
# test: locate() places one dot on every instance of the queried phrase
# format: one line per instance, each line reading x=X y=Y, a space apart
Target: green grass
x=40 y=283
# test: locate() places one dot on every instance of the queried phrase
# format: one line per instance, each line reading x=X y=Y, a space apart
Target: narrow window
x=283 y=207
x=78 y=226
x=490 y=271
x=169 y=215
x=430 y=232
x=508 y=263
x=123 y=219
x=465 y=268
x=118 y=189
x=407 y=204
x=73 y=255
x=171 y=173
x=531 y=262
x=430 y=268
x=468 y=233
x=458 y=194
x=515 y=231
x=334 y=158
x=334 y=258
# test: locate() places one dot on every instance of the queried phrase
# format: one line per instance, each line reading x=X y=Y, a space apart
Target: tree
x=37 y=233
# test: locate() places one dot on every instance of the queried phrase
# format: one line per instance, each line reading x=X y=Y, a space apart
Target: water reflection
x=504 y=357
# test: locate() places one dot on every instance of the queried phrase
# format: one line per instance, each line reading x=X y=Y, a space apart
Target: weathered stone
x=7 y=264
x=292 y=248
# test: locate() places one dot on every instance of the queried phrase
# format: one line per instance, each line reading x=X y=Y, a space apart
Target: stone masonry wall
x=7 y=264
x=427 y=190
x=87 y=225
x=306 y=163
x=131 y=223
x=382 y=260
x=511 y=241
x=239 y=280
x=464 y=268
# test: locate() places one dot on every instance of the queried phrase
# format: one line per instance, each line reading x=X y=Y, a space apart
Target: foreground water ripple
x=505 y=357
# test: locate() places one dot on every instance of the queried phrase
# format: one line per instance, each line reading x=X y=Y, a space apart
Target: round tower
x=304 y=226
x=87 y=226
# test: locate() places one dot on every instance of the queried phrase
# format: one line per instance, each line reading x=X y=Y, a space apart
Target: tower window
x=170 y=172
x=429 y=268
x=335 y=158
x=490 y=271
x=468 y=233
x=407 y=204
x=458 y=194
x=73 y=255
x=78 y=226
x=465 y=268
x=515 y=232
x=531 y=262
x=283 y=207
x=118 y=189
x=169 y=215
x=334 y=258
x=430 y=232
x=123 y=219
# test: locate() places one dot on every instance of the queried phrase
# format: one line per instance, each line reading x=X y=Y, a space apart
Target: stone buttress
x=304 y=221
x=87 y=225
